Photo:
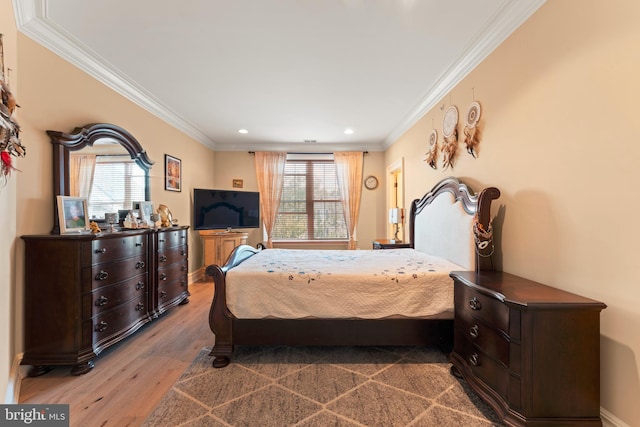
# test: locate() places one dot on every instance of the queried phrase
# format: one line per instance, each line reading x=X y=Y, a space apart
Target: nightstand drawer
x=492 y=341
x=486 y=309
x=492 y=372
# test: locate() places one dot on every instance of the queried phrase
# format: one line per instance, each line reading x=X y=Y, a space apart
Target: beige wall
x=56 y=95
x=559 y=138
x=8 y=194
x=230 y=165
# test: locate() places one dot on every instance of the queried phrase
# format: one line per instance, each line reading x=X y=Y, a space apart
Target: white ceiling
x=285 y=70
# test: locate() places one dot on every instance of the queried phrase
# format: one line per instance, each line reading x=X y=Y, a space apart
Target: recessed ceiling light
x=243 y=131
x=348 y=131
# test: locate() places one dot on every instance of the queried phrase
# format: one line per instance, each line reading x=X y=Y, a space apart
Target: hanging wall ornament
x=450 y=133
x=471 y=133
x=432 y=154
x=10 y=145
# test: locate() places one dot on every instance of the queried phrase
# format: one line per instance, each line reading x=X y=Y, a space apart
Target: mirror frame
x=87 y=135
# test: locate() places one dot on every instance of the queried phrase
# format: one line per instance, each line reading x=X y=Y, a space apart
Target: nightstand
x=389 y=244
x=532 y=352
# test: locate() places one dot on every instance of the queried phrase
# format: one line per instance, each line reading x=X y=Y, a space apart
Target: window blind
x=310 y=207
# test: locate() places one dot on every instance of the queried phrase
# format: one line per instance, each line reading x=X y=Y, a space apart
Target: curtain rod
x=293 y=152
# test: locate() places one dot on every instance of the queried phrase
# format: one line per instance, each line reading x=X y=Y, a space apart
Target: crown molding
x=504 y=22
x=32 y=20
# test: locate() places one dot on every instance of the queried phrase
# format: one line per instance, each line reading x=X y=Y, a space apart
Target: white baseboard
x=16 y=375
x=610 y=420
x=197 y=275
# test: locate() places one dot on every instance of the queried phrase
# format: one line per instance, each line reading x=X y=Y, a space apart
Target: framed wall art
x=172 y=173
x=72 y=214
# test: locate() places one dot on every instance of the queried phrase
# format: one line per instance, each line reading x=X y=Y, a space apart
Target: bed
x=398 y=297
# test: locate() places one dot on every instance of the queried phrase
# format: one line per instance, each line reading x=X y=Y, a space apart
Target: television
x=225 y=209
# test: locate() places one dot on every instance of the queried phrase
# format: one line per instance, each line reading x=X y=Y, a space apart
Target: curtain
x=349 y=171
x=270 y=172
x=81 y=169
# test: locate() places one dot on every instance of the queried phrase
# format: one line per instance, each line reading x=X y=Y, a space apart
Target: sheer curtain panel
x=349 y=171
x=270 y=172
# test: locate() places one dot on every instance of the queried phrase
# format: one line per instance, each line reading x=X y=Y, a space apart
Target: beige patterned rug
x=322 y=386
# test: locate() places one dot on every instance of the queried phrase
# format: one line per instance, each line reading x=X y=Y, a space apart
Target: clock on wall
x=371 y=182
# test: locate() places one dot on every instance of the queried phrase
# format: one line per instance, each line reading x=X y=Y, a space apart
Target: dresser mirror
x=104 y=164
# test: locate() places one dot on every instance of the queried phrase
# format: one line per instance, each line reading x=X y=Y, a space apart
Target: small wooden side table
x=389 y=244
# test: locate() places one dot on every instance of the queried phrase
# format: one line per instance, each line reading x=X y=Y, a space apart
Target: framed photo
x=72 y=214
x=145 y=209
x=172 y=173
x=238 y=183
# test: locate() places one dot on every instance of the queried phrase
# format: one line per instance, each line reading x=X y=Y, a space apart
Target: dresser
x=219 y=244
x=530 y=351
x=86 y=292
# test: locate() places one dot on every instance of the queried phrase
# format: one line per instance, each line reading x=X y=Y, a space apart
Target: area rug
x=322 y=386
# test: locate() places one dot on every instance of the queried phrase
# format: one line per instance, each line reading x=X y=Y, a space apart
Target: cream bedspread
x=365 y=284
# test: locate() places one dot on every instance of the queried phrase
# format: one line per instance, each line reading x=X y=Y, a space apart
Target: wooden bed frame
x=230 y=331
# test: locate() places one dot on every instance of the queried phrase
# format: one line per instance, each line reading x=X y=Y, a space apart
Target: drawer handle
x=163 y=276
x=161 y=240
x=474 y=331
x=183 y=237
x=138 y=244
x=139 y=306
x=102 y=275
x=475 y=304
x=102 y=301
x=163 y=258
x=474 y=360
x=100 y=327
x=140 y=264
x=183 y=268
x=139 y=286
x=163 y=294
x=183 y=253
x=101 y=250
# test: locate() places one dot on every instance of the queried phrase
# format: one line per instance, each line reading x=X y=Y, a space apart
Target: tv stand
x=218 y=244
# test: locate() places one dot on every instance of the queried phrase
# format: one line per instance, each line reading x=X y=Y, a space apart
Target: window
x=117 y=182
x=311 y=207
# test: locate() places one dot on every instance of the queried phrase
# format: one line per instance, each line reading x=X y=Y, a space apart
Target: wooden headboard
x=451 y=222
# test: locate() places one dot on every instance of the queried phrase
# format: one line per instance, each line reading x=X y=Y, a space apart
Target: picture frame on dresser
x=72 y=214
x=145 y=210
x=172 y=173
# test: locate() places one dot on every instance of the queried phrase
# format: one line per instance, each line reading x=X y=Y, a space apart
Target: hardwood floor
x=131 y=377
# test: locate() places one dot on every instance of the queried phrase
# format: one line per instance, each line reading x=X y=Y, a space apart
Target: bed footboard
x=220 y=318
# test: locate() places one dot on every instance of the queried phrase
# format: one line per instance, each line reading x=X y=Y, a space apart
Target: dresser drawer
x=169 y=239
x=109 y=249
x=111 y=273
x=170 y=290
x=117 y=320
x=107 y=297
x=173 y=273
x=172 y=255
x=490 y=311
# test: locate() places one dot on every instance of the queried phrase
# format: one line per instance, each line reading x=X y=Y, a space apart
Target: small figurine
x=166 y=219
x=95 y=229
